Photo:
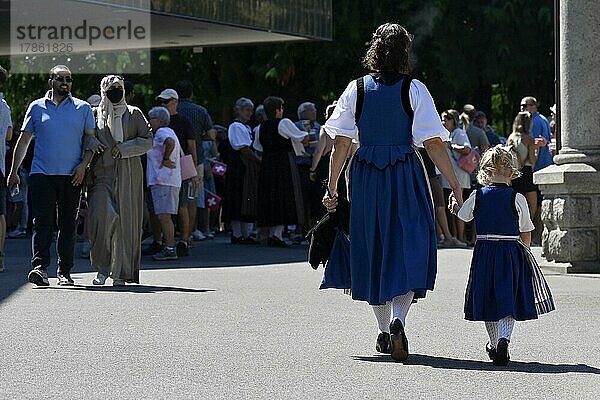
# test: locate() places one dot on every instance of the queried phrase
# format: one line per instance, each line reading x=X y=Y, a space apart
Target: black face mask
x=115 y=95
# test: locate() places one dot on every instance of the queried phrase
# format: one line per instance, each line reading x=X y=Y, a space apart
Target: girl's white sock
x=492 y=329
x=505 y=327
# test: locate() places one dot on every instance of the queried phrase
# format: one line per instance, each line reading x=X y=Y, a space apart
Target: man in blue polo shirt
x=540 y=132
x=5 y=136
x=59 y=123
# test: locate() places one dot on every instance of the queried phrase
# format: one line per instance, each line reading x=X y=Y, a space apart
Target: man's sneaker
x=182 y=249
x=198 y=235
x=165 y=254
x=153 y=249
x=65 y=280
x=99 y=280
x=16 y=234
x=38 y=277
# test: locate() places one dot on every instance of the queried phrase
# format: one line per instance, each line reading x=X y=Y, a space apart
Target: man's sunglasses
x=61 y=78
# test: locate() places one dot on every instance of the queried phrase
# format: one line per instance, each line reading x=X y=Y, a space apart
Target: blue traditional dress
x=392 y=228
x=504 y=279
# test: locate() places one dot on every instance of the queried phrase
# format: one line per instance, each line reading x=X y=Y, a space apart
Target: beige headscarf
x=110 y=114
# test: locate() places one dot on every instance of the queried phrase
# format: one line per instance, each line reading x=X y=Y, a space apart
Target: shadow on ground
x=474 y=365
x=217 y=253
x=128 y=289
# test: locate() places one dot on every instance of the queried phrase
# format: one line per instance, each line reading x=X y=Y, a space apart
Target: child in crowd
x=505 y=282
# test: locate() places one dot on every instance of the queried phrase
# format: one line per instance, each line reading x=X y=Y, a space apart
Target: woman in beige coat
x=115 y=189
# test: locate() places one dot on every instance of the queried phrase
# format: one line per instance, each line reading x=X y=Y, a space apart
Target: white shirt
x=426 y=121
x=239 y=135
x=288 y=130
x=5 y=123
x=156 y=173
x=525 y=225
x=460 y=138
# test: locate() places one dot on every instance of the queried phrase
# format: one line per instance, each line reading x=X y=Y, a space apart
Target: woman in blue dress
x=392 y=228
x=505 y=283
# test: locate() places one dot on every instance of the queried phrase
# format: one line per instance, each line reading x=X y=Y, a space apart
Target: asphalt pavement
x=248 y=322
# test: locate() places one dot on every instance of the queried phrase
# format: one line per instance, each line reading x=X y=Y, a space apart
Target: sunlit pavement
x=248 y=322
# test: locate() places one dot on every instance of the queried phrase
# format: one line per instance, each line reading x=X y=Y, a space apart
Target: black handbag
x=322 y=235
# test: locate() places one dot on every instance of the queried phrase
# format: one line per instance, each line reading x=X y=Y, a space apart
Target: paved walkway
x=249 y=323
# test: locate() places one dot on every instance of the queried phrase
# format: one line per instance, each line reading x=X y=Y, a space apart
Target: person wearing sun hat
x=169 y=98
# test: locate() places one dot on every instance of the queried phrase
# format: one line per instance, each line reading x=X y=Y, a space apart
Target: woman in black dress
x=279 y=196
x=239 y=204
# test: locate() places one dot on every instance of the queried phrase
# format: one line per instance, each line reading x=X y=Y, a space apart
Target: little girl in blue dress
x=505 y=283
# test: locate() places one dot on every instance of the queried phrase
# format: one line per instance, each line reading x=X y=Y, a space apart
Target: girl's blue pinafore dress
x=504 y=278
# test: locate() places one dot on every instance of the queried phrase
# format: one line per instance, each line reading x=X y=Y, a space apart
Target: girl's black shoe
x=502 y=355
x=248 y=240
x=235 y=240
x=276 y=242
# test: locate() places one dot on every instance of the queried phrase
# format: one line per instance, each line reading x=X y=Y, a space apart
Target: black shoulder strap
x=476 y=208
x=360 y=98
x=513 y=202
x=405 y=96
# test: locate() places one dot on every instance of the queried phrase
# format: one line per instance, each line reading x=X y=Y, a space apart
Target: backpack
x=469 y=162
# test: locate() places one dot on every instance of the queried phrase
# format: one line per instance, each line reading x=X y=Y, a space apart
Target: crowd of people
x=175 y=174
x=170 y=173
x=272 y=189
x=470 y=136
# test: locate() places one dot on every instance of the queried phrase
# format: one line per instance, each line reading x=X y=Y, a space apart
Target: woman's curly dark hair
x=389 y=49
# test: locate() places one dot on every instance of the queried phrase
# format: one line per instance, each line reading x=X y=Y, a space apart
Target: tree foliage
x=489 y=53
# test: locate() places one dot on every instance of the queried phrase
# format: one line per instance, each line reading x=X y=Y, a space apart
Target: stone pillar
x=571 y=187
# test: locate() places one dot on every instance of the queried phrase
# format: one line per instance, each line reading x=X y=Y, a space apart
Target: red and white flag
x=211 y=200
x=219 y=168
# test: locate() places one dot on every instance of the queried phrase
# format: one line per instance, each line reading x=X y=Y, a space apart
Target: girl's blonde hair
x=497 y=161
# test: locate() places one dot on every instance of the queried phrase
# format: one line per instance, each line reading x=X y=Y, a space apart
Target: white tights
x=239 y=229
x=500 y=329
x=397 y=308
x=276 y=231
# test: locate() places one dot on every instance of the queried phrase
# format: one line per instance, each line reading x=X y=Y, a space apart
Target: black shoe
x=384 y=345
x=248 y=240
x=276 y=242
x=182 y=249
x=38 y=277
x=65 y=279
x=153 y=249
x=491 y=351
x=236 y=240
x=399 y=341
x=502 y=355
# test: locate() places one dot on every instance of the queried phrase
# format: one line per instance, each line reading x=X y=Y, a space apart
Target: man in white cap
x=182 y=127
